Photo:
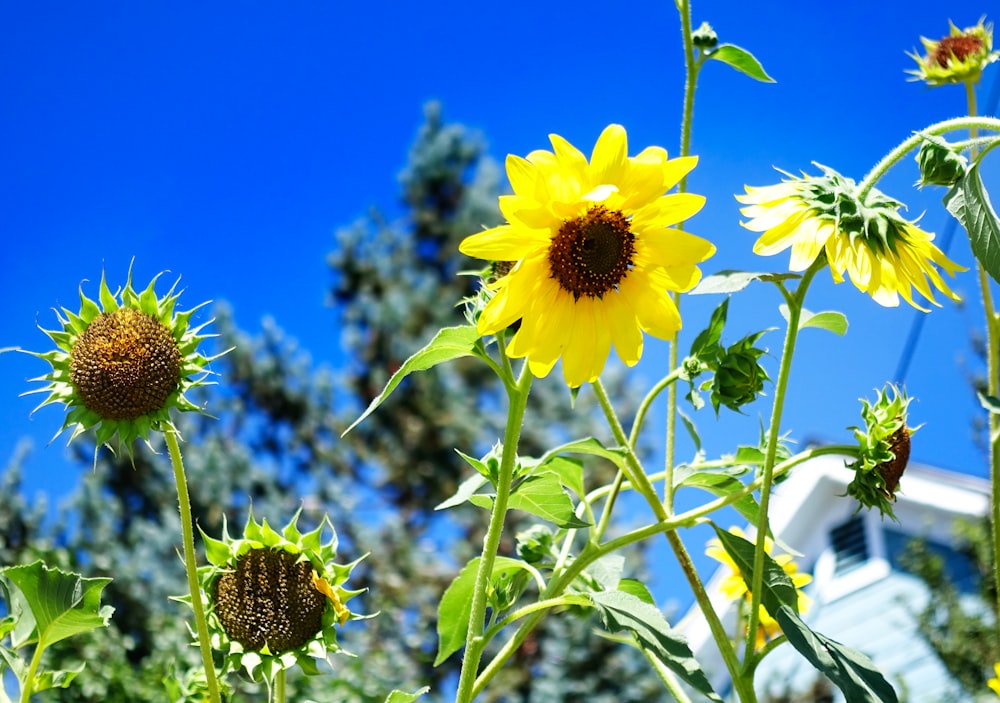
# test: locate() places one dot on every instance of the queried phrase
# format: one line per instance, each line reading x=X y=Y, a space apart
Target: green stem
x=28 y=684
x=992 y=375
x=642 y=484
x=279 y=687
x=475 y=641
x=691 y=67
x=191 y=564
x=795 y=301
x=890 y=159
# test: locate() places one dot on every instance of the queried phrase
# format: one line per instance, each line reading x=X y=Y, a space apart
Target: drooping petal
x=504 y=243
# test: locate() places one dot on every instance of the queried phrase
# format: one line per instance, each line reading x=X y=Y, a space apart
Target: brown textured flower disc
x=269 y=598
x=125 y=364
x=892 y=471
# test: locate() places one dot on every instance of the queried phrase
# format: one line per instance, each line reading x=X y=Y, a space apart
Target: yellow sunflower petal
x=668 y=210
x=609 y=161
x=504 y=243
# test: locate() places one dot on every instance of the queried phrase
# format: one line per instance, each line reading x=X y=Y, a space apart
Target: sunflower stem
x=795 y=302
x=691 y=67
x=191 y=565
x=992 y=374
x=971 y=123
x=475 y=641
x=28 y=684
x=640 y=482
x=279 y=686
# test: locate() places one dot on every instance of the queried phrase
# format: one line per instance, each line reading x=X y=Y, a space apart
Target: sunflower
x=735 y=588
x=994 y=683
x=862 y=234
x=883 y=450
x=275 y=598
x=594 y=258
x=959 y=57
x=121 y=366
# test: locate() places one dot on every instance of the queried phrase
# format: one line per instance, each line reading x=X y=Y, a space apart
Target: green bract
x=121 y=365
x=275 y=599
x=884 y=450
x=959 y=57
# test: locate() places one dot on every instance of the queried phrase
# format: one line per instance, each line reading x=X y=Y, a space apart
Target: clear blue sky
x=227 y=141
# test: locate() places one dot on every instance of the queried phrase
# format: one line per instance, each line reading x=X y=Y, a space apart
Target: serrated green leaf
x=732 y=281
x=466 y=489
x=722 y=484
x=742 y=60
x=615 y=455
x=61 y=603
x=969 y=202
x=450 y=343
x=624 y=611
x=607 y=571
x=569 y=471
x=543 y=495
x=455 y=607
x=402 y=697
x=829 y=320
x=852 y=672
x=777 y=587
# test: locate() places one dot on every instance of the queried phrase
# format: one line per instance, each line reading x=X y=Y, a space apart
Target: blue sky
x=227 y=142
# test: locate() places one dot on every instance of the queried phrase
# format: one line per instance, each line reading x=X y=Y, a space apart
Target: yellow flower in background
x=959 y=57
x=994 y=683
x=862 y=235
x=593 y=252
x=735 y=588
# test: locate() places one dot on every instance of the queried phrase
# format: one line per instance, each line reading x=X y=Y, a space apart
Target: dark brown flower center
x=269 y=598
x=892 y=471
x=960 y=47
x=592 y=254
x=125 y=364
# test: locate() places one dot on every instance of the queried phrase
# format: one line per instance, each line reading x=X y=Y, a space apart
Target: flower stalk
x=191 y=564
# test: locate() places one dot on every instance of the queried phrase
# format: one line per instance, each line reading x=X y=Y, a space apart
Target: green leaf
x=544 y=496
x=401 y=697
x=450 y=343
x=615 y=455
x=45 y=680
x=990 y=402
x=465 y=491
x=732 y=281
x=637 y=589
x=969 y=202
x=455 y=607
x=777 y=588
x=742 y=60
x=852 y=672
x=454 y=612
x=722 y=484
x=707 y=341
x=829 y=320
x=569 y=471
x=624 y=611
x=607 y=571
x=692 y=430
x=61 y=603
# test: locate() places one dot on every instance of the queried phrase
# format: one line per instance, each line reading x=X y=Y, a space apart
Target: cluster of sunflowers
x=590 y=257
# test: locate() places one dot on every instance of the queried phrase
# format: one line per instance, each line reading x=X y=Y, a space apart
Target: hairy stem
x=191 y=564
x=475 y=641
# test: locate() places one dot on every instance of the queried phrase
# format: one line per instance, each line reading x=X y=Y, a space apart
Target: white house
x=861 y=595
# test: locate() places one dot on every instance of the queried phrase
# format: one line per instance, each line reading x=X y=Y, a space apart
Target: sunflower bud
x=939 y=164
x=959 y=57
x=534 y=545
x=704 y=37
x=739 y=378
x=883 y=450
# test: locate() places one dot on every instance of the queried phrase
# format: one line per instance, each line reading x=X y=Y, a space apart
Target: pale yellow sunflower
x=959 y=57
x=735 y=588
x=884 y=254
x=594 y=255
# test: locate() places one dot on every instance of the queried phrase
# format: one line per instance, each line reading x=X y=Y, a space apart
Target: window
x=850 y=546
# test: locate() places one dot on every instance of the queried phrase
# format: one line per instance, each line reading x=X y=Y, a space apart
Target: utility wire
x=910 y=346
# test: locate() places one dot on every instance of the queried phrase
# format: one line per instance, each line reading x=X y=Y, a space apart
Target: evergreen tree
x=274 y=444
